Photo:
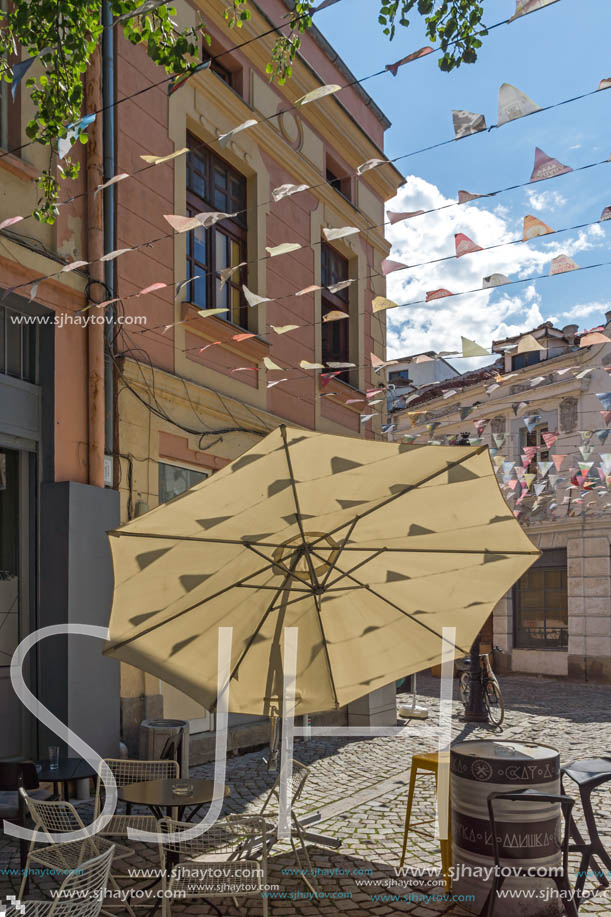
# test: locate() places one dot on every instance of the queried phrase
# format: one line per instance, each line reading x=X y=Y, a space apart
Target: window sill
x=542 y=649
x=16 y=166
x=217 y=329
x=343 y=388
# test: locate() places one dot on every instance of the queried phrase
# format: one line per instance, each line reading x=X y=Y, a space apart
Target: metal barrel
x=529 y=834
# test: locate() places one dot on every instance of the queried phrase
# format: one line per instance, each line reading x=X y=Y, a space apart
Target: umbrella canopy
x=368 y=548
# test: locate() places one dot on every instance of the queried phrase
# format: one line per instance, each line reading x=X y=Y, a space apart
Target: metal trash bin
x=155 y=736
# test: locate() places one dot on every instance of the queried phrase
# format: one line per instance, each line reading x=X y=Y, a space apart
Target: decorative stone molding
x=568 y=414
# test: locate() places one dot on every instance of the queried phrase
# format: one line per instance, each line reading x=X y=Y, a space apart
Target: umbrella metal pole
x=475 y=712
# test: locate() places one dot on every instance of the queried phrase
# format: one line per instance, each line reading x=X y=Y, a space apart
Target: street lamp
x=475 y=712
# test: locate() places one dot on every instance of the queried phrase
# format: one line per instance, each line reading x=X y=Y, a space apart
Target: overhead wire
x=150 y=242
x=207 y=144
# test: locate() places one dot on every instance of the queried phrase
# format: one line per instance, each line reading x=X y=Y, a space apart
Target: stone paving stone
x=359 y=786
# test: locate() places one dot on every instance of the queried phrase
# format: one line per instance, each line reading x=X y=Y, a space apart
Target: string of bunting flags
x=20 y=69
x=545 y=168
x=533 y=475
x=513 y=104
x=470 y=348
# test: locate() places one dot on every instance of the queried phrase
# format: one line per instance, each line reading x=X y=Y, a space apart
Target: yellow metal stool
x=430 y=764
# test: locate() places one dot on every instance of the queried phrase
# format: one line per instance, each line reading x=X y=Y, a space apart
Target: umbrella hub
x=292 y=557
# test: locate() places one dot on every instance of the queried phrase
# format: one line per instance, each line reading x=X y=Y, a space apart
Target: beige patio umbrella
x=368 y=548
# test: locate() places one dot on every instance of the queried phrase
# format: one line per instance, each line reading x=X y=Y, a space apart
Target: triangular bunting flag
x=380 y=303
x=467 y=122
x=465 y=196
x=534 y=227
x=464 y=245
x=530 y=424
x=252 y=298
x=561 y=264
x=388 y=267
x=421 y=52
x=514 y=104
x=472 y=349
x=319 y=93
x=437 y=294
x=394 y=217
x=523 y=7
x=495 y=280
x=225 y=138
x=283 y=191
x=547 y=167
x=549 y=439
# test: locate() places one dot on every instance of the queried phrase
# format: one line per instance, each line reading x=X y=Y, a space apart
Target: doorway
x=16 y=532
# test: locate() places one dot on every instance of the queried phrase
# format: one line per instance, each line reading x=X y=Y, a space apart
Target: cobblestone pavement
x=359 y=787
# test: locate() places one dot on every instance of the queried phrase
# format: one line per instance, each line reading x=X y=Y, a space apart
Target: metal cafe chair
x=299 y=778
x=81 y=894
x=125 y=772
x=589 y=774
x=220 y=863
x=54 y=818
x=13 y=776
x=505 y=865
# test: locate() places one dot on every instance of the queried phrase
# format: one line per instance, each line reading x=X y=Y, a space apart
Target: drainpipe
x=95 y=250
x=108 y=124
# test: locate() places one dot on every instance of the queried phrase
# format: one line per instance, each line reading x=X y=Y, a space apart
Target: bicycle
x=491 y=690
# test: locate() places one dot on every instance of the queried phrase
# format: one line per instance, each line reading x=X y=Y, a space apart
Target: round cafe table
x=67 y=769
x=158 y=795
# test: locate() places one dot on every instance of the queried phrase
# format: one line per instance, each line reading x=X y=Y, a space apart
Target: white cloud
x=481 y=316
x=545 y=200
x=584 y=310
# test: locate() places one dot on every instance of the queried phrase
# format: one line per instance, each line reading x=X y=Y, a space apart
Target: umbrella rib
x=264 y=618
x=406 y=489
x=306 y=548
x=444 y=550
x=402 y=611
x=362 y=563
x=241 y=541
x=178 y=614
x=271 y=588
x=333 y=563
x=326 y=647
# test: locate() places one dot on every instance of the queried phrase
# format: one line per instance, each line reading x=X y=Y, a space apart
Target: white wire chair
x=81 y=894
x=54 y=818
x=237 y=847
x=125 y=772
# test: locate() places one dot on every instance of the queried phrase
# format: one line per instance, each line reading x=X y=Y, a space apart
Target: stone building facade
x=540 y=413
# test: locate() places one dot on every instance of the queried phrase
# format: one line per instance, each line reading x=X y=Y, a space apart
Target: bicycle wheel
x=465 y=687
x=494 y=702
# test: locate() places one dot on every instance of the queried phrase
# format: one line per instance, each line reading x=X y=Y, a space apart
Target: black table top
x=68 y=769
x=160 y=792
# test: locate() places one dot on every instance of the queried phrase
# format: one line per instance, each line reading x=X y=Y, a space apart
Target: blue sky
x=551 y=55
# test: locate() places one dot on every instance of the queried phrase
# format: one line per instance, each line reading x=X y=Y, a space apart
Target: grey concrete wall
x=75 y=681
